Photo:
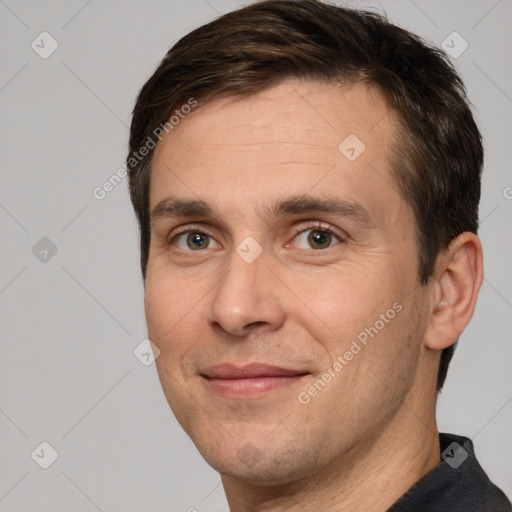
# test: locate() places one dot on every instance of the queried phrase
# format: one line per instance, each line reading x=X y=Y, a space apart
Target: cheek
x=159 y=311
x=349 y=298
x=171 y=309
x=172 y=318
x=392 y=351
x=379 y=365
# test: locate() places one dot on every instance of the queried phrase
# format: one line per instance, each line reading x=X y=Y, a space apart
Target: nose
x=247 y=297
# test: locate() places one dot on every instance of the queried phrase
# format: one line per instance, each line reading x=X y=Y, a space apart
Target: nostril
x=255 y=324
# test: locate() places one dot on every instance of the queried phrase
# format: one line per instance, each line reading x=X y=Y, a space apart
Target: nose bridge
x=245 y=294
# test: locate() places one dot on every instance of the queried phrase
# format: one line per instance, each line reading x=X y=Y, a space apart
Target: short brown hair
x=438 y=156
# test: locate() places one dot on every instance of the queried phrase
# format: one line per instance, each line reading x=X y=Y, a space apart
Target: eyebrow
x=302 y=204
x=172 y=207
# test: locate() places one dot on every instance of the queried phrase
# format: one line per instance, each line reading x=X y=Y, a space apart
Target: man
x=308 y=243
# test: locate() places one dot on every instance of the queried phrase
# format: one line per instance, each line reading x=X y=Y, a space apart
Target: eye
x=193 y=241
x=317 y=238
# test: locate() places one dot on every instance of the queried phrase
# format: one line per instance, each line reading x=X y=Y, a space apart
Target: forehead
x=290 y=139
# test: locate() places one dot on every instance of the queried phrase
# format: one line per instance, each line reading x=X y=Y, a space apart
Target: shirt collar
x=458 y=483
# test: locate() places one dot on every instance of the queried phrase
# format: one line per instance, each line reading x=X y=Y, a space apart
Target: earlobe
x=458 y=277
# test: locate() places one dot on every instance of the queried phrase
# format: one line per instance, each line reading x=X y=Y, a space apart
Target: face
x=282 y=286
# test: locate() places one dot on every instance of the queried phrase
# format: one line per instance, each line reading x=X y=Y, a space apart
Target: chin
x=267 y=467
x=262 y=474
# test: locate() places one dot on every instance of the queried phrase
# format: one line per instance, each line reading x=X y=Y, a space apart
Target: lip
x=250 y=381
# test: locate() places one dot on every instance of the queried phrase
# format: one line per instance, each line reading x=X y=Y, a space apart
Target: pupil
x=196 y=240
x=320 y=239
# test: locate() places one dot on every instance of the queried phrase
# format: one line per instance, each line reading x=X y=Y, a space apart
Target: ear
x=456 y=283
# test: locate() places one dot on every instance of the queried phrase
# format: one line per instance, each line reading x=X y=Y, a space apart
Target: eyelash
x=312 y=226
x=318 y=226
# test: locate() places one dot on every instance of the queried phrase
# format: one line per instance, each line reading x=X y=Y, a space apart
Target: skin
x=370 y=433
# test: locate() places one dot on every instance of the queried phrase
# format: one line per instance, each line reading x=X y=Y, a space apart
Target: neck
x=371 y=476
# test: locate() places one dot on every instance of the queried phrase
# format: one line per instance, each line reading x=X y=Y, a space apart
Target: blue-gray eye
x=193 y=240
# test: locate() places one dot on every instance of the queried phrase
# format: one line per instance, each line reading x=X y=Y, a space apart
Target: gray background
x=69 y=324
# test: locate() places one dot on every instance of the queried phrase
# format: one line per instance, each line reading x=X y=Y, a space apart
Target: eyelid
x=305 y=226
x=188 y=228
x=320 y=226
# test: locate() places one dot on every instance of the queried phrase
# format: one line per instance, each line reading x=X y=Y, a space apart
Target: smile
x=251 y=381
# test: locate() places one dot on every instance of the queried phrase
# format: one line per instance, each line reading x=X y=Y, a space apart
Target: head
x=268 y=117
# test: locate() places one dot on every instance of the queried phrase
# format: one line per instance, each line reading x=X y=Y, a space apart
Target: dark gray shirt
x=458 y=483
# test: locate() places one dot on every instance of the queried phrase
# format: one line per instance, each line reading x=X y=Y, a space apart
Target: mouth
x=250 y=381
